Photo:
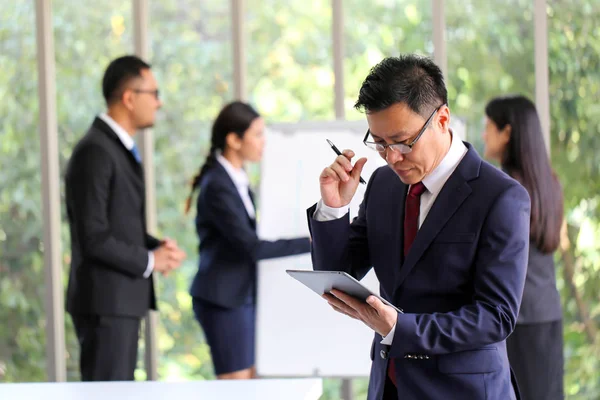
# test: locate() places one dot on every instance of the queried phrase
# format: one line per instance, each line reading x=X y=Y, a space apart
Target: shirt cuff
x=325 y=213
x=150 y=266
x=390 y=337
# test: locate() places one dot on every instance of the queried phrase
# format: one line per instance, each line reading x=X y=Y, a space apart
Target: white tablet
x=322 y=282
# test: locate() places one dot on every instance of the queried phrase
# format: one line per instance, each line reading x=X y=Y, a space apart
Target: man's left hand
x=376 y=315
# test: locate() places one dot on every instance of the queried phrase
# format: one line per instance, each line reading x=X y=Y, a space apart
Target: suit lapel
x=251 y=194
x=136 y=166
x=397 y=220
x=230 y=182
x=453 y=194
x=139 y=177
x=252 y=220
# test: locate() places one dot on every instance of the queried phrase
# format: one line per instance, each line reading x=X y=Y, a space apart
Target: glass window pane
x=22 y=312
x=290 y=61
x=490 y=53
x=191 y=54
x=382 y=29
x=86 y=39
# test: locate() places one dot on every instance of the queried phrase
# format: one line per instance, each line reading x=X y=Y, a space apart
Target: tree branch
x=568 y=258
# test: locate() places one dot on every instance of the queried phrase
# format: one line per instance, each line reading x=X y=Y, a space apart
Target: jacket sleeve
x=152 y=242
x=89 y=185
x=339 y=245
x=220 y=202
x=499 y=277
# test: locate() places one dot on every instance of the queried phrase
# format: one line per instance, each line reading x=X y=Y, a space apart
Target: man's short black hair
x=410 y=79
x=118 y=73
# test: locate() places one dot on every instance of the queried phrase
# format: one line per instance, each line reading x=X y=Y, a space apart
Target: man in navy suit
x=447 y=235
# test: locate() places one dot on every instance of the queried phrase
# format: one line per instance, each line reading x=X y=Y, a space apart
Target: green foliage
x=195 y=75
x=490 y=53
x=22 y=339
x=290 y=74
x=383 y=29
x=290 y=78
x=574 y=53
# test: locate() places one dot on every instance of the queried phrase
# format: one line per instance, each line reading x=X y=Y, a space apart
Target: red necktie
x=411 y=214
x=411 y=226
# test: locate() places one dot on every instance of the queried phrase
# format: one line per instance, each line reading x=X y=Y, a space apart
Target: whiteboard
x=298 y=334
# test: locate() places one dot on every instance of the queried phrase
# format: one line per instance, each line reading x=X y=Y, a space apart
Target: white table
x=257 y=389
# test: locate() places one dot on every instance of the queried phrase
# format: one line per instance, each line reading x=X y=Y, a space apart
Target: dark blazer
x=541 y=300
x=109 y=243
x=229 y=247
x=460 y=285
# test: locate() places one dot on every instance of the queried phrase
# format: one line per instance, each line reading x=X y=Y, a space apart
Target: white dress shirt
x=128 y=142
x=434 y=182
x=241 y=181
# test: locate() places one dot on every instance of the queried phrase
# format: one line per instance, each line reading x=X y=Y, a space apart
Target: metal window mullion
x=239 y=49
x=146 y=143
x=49 y=168
x=338 y=57
x=438 y=22
x=542 y=83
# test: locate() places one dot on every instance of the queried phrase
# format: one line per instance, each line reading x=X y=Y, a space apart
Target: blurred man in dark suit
x=113 y=257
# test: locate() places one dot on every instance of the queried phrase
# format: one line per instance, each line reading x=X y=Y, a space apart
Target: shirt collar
x=125 y=137
x=434 y=182
x=237 y=175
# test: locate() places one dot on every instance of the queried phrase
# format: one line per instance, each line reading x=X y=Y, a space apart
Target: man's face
x=399 y=124
x=144 y=101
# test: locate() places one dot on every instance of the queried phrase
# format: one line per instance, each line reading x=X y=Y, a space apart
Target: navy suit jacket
x=229 y=246
x=460 y=285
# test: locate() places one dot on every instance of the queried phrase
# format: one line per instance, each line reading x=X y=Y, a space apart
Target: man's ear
x=127 y=98
x=443 y=118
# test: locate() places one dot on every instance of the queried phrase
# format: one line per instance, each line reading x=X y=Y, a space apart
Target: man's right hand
x=167 y=257
x=339 y=181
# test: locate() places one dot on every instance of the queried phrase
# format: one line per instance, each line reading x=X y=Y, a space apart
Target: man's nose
x=393 y=156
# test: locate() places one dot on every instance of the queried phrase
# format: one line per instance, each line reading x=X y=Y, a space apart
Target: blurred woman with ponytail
x=224 y=288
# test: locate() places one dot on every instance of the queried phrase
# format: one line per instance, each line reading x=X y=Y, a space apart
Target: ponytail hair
x=235 y=117
x=208 y=163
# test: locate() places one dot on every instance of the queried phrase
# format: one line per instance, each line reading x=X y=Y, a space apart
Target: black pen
x=339 y=153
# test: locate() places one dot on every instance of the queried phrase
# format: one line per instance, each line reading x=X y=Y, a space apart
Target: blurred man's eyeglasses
x=153 y=92
x=400 y=147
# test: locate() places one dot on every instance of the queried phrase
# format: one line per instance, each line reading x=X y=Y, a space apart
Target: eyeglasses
x=400 y=147
x=153 y=92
